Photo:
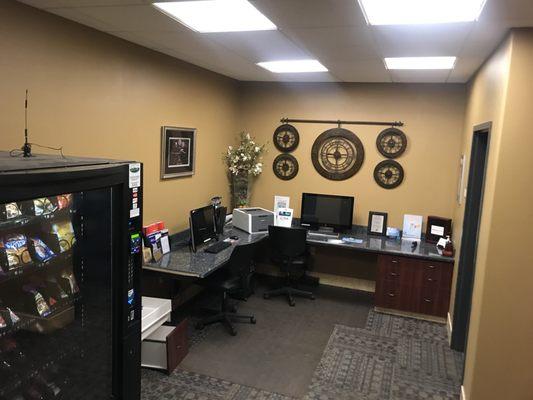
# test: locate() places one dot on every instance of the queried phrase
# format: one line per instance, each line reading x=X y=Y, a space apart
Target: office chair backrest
x=240 y=263
x=287 y=242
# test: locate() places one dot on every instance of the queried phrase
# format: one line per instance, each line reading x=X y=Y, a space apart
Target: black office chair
x=289 y=251
x=230 y=281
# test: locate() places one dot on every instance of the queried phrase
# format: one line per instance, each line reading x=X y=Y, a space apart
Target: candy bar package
x=65 y=235
x=54 y=289
x=64 y=201
x=71 y=279
x=7 y=317
x=9 y=211
x=15 y=248
x=44 y=205
x=41 y=251
x=36 y=301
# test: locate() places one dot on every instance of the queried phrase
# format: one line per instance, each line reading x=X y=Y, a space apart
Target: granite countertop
x=382 y=245
x=182 y=261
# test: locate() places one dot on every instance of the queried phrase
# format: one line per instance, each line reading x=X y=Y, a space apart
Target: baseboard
x=463 y=395
x=449 y=328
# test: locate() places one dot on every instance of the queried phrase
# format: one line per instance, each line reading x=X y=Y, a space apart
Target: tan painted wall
x=486 y=103
x=500 y=349
x=433 y=115
x=100 y=96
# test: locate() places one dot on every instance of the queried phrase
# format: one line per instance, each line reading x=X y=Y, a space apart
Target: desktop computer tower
x=70 y=263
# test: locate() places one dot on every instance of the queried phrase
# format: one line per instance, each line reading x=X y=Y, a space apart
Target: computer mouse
x=234 y=237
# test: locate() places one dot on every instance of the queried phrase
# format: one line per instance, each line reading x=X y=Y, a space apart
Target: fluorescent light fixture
x=420 y=62
x=217 y=15
x=294 y=66
x=402 y=12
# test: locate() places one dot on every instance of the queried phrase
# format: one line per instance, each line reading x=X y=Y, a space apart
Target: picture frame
x=377 y=223
x=178 y=152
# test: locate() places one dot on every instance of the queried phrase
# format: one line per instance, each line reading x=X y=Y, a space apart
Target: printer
x=253 y=220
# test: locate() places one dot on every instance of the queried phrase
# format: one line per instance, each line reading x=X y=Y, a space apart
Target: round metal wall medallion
x=391 y=142
x=388 y=174
x=337 y=154
x=285 y=166
x=286 y=138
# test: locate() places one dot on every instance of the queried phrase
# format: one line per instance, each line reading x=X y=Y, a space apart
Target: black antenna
x=26 y=148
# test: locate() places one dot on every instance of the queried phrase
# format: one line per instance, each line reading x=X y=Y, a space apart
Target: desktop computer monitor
x=324 y=210
x=202 y=225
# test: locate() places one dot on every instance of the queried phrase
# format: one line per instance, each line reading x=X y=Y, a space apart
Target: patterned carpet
x=192 y=386
x=392 y=358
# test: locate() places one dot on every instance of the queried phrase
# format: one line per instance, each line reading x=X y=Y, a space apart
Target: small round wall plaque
x=391 y=143
x=337 y=154
x=285 y=166
x=388 y=174
x=286 y=138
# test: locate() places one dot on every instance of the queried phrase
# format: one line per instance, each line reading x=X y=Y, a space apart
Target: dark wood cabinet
x=413 y=285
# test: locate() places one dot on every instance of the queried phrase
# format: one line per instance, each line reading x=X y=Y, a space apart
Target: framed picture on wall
x=377 y=223
x=178 y=147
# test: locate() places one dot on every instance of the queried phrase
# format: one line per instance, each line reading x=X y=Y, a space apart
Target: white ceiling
x=332 y=31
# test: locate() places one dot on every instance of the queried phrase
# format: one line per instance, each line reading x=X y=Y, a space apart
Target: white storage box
x=155 y=312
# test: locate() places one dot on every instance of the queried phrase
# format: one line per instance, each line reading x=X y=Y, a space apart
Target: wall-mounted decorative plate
x=286 y=138
x=337 y=154
x=391 y=143
x=285 y=166
x=388 y=174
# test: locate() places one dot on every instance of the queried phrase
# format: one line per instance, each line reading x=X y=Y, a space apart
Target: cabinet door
x=394 y=288
x=434 y=283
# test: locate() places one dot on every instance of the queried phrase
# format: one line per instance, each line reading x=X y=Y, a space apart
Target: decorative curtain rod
x=339 y=122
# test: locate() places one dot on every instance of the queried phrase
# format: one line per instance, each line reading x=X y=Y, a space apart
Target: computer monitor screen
x=327 y=211
x=202 y=225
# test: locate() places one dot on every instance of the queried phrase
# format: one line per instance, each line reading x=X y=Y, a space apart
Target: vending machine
x=70 y=261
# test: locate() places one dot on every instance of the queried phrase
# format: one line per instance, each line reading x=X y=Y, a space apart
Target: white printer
x=253 y=220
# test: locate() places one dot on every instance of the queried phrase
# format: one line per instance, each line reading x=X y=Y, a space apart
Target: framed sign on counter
x=377 y=223
x=178 y=146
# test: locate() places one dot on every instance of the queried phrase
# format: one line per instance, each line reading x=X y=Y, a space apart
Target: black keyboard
x=217 y=247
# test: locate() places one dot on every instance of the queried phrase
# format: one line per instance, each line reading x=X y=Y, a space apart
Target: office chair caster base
x=266 y=296
x=253 y=320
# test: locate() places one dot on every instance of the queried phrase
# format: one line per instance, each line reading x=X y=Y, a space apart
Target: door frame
x=477 y=172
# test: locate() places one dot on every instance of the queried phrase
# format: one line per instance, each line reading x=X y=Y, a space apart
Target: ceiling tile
x=74 y=15
x=360 y=71
x=80 y=3
x=260 y=46
x=311 y=13
x=421 y=40
x=464 y=68
x=422 y=76
x=349 y=43
x=133 y=18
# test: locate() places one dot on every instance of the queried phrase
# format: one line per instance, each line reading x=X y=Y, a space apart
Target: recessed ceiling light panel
x=420 y=62
x=207 y=16
x=293 y=66
x=402 y=12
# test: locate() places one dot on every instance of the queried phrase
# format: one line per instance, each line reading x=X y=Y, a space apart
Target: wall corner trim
x=449 y=328
x=463 y=395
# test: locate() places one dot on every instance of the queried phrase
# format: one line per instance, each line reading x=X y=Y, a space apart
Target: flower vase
x=241 y=190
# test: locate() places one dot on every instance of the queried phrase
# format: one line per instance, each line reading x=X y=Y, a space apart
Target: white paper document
x=412 y=226
x=284 y=217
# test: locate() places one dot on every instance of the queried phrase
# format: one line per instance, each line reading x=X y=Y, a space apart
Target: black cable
x=19 y=152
